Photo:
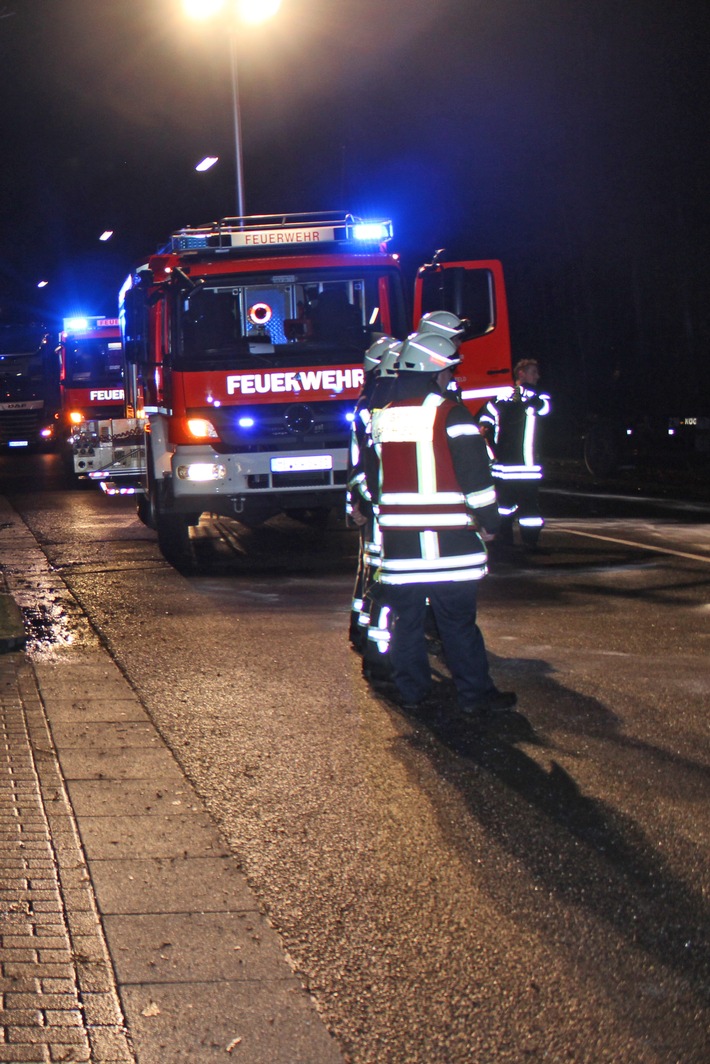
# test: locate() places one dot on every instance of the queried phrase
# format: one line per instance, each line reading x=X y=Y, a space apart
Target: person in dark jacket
x=436 y=504
x=510 y=424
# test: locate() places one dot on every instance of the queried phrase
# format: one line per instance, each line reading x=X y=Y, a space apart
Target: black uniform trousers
x=454 y=607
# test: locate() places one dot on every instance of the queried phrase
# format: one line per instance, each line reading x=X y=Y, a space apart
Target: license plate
x=302 y=463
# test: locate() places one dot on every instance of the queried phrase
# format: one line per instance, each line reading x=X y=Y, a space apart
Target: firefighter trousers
x=454 y=607
x=518 y=500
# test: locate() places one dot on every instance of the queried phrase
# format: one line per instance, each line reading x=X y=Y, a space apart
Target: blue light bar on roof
x=372 y=232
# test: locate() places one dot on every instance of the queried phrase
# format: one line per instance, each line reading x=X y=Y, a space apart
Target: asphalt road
x=539 y=892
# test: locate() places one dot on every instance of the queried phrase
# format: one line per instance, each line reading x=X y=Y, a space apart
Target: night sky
x=567 y=138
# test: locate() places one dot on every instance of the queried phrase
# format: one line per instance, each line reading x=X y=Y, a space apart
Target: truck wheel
x=144 y=509
x=174 y=541
x=173 y=529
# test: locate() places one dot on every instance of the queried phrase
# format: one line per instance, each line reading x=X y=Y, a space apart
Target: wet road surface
x=539 y=892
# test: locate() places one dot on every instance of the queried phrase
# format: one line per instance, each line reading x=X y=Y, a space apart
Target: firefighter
x=378 y=364
x=375 y=611
x=434 y=493
x=374 y=614
x=510 y=424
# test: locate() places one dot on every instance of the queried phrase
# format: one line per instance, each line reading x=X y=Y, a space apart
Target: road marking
x=664 y=504
x=630 y=543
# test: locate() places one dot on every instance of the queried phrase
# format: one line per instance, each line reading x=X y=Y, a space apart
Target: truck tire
x=144 y=509
x=173 y=528
x=174 y=541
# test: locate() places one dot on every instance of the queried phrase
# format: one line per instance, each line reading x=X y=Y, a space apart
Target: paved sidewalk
x=127 y=931
x=59 y=998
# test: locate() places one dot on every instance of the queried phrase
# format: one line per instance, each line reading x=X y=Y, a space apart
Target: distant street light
x=207 y=163
x=250 y=12
x=42 y=284
x=106 y=235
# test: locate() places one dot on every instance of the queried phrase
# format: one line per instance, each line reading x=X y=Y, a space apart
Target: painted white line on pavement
x=629 y=543
x=666 y=504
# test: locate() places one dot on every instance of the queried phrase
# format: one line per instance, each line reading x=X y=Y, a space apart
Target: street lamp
x=250 y=12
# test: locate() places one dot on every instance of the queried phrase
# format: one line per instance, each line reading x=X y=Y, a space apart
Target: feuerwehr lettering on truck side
x=294 y=236
x=319 y=380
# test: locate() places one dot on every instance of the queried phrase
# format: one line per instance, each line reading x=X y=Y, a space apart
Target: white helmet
x=374 y=353
x=428 y=353
x=389 y=363
x=442 y=323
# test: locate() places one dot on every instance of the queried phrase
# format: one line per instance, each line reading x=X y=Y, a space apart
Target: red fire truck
x=244 y=344
x=91 y=384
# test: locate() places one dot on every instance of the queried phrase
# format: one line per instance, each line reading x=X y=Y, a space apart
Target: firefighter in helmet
x=434 y=493
x=375 y=609
x=443 y=323
x=510 y=424
x=379 y=362
x=446 y=323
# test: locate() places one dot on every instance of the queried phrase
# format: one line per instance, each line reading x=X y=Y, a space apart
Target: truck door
x=475 y=291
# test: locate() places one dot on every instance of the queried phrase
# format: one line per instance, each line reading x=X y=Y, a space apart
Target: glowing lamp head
x=72 y=325
x=76 y=417
x=248 y=11
x=372 y=232
x=260 y=314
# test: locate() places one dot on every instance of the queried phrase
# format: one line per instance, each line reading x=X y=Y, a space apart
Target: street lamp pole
x=236 y=108
x=249 y=12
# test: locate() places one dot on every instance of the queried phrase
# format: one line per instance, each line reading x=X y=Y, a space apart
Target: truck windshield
x=93 y=362
x=21 y=376
x=22 y=366
x=312 y=317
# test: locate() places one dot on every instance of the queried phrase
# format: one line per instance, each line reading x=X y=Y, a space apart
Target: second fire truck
x=244 y=343
x=91 y=361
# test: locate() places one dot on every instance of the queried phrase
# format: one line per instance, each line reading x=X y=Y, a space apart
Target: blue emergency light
x=372 y=232
x=72 y=325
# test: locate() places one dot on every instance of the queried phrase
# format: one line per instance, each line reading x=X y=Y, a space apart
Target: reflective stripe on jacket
x=513 y=418
x=426 y=515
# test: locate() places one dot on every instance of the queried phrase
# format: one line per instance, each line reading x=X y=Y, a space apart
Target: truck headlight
x=200 y=472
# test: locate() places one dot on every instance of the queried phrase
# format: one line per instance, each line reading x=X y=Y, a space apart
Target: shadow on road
x=579 y=849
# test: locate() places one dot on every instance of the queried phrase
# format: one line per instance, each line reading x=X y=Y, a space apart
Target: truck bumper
x=252 y=487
